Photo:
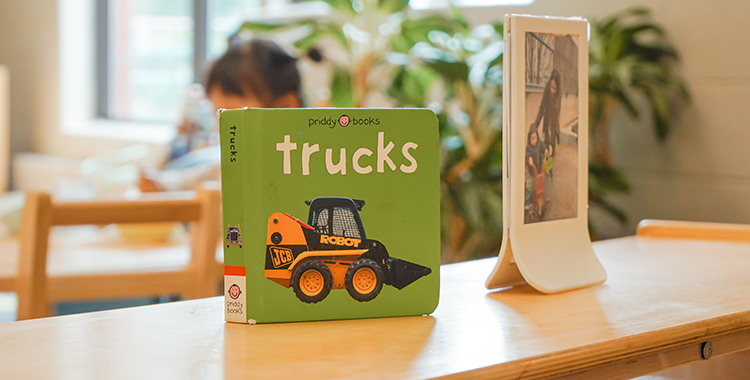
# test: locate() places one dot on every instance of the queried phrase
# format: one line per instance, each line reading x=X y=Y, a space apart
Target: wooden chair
x=198 y=279
x=4 y=127
x=693 y=230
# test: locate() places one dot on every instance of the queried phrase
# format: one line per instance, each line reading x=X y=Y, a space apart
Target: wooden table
x=662 y=300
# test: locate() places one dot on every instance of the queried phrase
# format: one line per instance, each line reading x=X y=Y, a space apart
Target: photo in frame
x=551 y=121
x=545 y=130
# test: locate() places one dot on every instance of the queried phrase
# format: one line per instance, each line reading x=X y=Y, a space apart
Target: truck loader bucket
x=401 y=273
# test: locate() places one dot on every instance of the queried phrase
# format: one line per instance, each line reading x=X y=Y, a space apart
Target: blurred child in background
x=256 y=73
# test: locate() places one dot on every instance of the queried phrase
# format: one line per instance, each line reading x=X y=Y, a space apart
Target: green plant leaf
x=336 y=31
x=309 y=41
x=498 y=28
x=654 y=52
x=630 y=53
x=392 y=6
x=416 y=30
x=457 y=15
x=596 y=108
x=615 y=48
x=401 y=44
x=409 y=86
x=632 y=31
x=264 y=27
x=660 y=107
x=606 y=178
x=451 y=71
x=624 y=97
x=471 y=203
x=493 y=206
x=680 y=87
x=342 y=92
x=637 y=11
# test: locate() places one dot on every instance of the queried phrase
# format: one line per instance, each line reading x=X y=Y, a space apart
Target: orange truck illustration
x=332 y=251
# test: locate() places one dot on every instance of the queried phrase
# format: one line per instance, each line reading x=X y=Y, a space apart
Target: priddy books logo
x=343 y=121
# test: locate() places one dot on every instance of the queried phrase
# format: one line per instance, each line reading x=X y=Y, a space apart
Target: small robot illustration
x=332 y=251
x=233 y=236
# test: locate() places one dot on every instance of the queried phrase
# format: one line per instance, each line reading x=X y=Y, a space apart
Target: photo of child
x=551 y=159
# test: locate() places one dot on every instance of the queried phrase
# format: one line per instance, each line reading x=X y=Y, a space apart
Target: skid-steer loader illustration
x=331 y=251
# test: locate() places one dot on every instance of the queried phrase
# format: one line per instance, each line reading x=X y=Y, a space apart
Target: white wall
x=700 y=173
x=27 y=49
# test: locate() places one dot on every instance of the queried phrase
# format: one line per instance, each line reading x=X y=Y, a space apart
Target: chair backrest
x=4 y=128
x=41 y=213
x=693 y=230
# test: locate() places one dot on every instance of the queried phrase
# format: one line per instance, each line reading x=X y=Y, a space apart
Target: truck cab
x=337 y=217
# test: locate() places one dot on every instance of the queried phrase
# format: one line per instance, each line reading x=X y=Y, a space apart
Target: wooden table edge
x=729 y=333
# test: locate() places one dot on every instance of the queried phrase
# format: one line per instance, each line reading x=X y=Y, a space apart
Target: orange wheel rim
x=311 y=282
x=365 y=280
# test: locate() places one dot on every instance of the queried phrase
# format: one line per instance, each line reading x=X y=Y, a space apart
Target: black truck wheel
x=364 y=280
x=312 y=281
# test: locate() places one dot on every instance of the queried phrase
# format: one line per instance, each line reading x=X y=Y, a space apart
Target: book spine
x=255 y=219
x=232 y=184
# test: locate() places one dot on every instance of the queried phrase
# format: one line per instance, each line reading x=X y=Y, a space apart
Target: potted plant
x=367 y=32
x=467 y=68
x=438 y=61
x=629 y=57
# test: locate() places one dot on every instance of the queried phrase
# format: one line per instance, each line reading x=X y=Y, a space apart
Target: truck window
x=344 y=223
x=320 y=221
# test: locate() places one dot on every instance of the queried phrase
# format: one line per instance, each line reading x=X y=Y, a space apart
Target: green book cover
x=330 y=213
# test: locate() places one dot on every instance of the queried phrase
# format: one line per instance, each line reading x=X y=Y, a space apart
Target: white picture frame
x=552 y=252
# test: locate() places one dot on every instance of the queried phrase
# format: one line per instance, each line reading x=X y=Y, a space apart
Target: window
x=88 y=93
x=321 y=223
x=149 y=59
x=344 y=223
x=148 y=52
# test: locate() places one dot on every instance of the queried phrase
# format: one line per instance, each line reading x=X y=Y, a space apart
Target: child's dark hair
x=528 y=137
x=258 y=67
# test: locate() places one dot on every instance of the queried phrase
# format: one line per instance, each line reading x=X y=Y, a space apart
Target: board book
x=329 y=213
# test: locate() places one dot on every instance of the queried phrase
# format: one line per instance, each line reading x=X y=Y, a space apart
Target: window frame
x=83 y=83
x=78 y=81
x=268 y=9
